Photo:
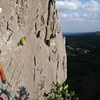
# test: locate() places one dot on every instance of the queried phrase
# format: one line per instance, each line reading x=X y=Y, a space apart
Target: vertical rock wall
x=42 y=59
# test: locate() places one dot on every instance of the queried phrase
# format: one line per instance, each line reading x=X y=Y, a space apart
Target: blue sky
x=79 y=15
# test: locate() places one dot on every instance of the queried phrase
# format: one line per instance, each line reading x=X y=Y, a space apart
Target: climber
x=2 y=75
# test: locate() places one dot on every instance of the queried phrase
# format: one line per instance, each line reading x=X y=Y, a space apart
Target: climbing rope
x=6 y=93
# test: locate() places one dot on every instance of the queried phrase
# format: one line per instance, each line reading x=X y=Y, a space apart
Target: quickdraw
x=3 y=78
x=2 y=90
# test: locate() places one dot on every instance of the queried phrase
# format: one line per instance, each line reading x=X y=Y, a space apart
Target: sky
x=79 y=15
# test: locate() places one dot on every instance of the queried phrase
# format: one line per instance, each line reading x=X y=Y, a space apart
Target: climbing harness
x=3 y=91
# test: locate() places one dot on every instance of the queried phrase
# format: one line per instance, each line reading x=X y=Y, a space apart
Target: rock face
x=42 y=60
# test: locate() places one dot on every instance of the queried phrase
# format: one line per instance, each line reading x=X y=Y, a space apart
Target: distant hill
x=83 y=40
x=81 y=33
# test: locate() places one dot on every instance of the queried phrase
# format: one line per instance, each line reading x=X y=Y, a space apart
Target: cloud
x=68 y=5
x=78 y=15
x=73 y=15
x=91 y=5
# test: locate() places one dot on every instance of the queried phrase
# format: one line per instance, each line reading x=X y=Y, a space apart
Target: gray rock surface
x=42 y=59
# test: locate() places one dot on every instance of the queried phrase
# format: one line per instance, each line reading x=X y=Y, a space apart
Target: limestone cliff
x=42 y=59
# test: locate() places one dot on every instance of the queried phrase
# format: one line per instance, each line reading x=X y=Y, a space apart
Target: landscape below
x=84 y=64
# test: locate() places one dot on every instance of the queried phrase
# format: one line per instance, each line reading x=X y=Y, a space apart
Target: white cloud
x=71 y=15
x=76 y=15
x=85 y=15
x=91 y=5
x=68 y=5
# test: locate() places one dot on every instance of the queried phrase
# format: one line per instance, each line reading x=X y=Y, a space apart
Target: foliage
x=60 y=92
x=84 y=68
x=22 y=94
x=22 y=41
